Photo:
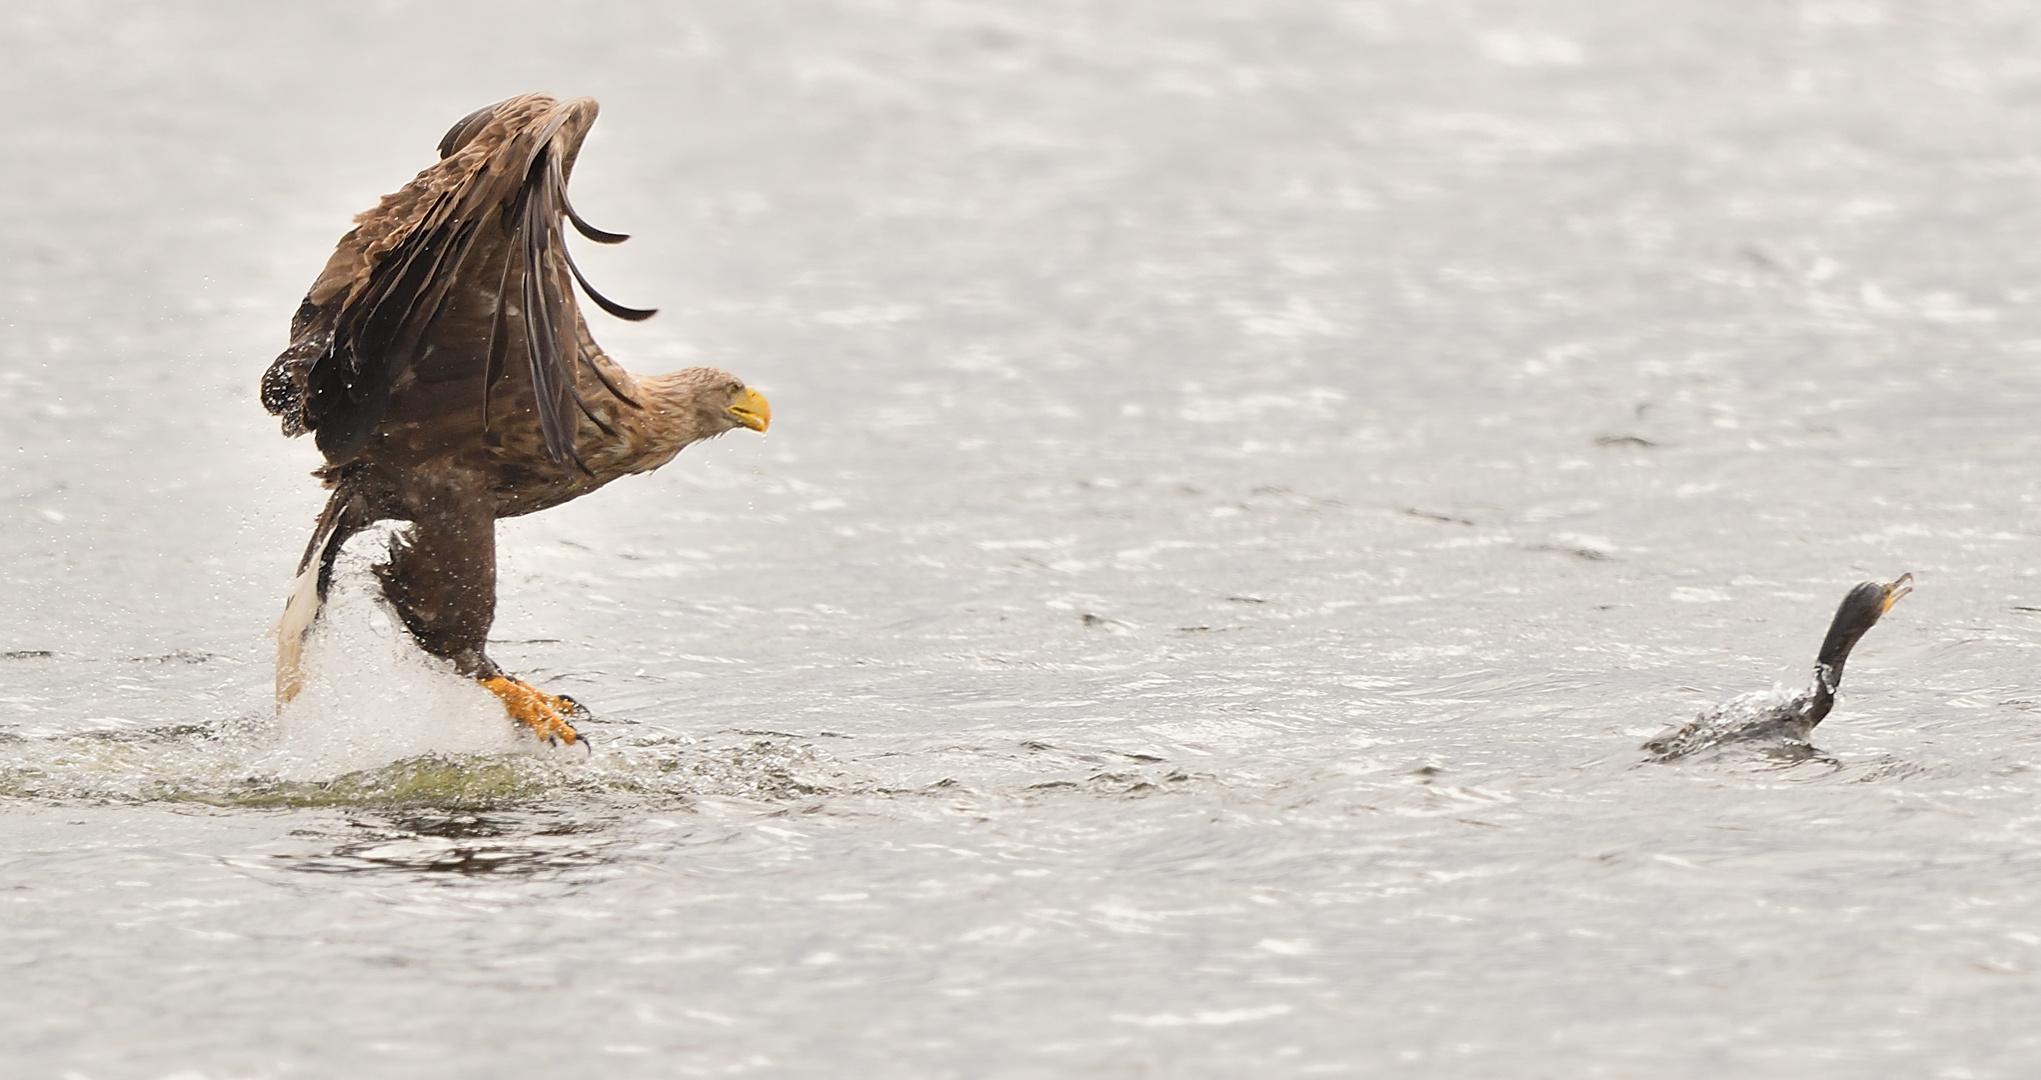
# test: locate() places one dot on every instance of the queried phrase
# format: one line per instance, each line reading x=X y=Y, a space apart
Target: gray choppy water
x=1245 y=479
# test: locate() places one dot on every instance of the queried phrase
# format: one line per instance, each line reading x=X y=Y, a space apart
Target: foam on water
x=371 y=696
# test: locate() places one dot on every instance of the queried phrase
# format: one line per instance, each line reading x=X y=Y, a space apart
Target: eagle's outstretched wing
x=449 y=308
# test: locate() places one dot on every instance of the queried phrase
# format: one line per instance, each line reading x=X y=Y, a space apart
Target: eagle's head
x=702 y=403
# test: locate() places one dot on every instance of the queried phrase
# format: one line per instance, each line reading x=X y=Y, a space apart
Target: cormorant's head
x=1859 y=612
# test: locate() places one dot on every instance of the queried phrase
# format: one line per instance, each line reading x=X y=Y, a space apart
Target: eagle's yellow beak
x=749 y=407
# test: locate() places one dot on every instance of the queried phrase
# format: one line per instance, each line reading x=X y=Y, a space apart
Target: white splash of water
x=371 y=696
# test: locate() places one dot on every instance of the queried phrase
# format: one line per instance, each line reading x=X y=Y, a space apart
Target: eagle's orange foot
x=546 y=714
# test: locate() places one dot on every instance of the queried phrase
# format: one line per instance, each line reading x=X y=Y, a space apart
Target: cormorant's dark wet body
x=1775 y=719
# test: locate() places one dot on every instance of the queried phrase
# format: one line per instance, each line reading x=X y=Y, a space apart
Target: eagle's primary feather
x=443 y=367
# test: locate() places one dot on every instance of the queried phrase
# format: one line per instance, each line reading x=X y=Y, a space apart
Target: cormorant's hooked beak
x=749 y=408
x=1897 y=589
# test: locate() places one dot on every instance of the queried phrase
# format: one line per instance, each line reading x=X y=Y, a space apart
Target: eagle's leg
x=441 y=578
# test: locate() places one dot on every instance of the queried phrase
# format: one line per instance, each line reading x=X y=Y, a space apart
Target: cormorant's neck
x=1835 y=651
x=1827 y=680
x=1852 y=620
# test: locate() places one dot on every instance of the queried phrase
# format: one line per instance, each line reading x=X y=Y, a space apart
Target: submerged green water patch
x=453 y=783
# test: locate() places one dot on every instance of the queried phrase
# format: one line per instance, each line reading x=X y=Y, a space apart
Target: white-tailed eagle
x=443 y=366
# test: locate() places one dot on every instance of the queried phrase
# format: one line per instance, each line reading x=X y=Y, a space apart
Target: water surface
x=1245 y=479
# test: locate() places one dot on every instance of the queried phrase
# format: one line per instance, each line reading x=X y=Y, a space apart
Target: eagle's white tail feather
x=298 y=613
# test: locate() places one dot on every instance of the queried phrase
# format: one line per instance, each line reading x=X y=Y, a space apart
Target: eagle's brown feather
x=444 y=367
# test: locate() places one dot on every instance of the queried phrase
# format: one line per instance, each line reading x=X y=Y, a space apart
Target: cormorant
x=1771 y=716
